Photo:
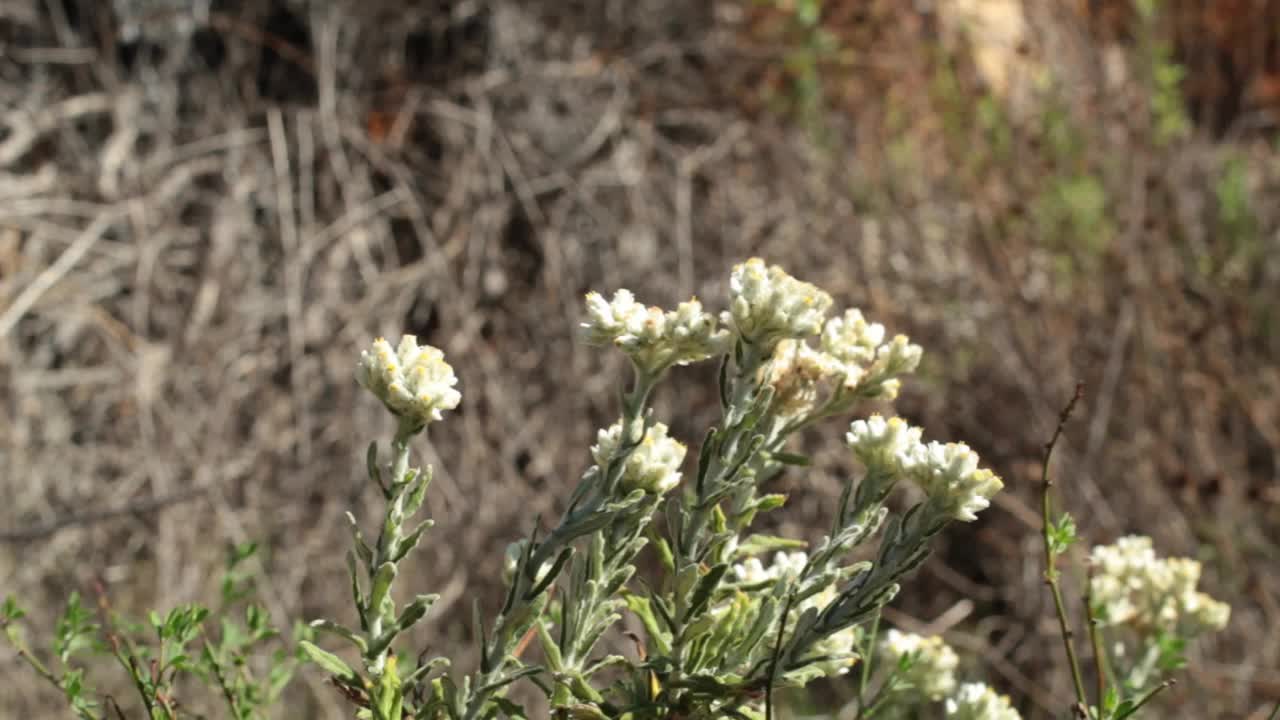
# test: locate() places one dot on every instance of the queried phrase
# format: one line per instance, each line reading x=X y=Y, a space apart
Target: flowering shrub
x=723 y=628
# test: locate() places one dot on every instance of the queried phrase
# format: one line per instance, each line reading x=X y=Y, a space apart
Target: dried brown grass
x=193 y=245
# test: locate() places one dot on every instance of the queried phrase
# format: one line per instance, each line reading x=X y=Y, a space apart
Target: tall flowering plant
x=722 y=628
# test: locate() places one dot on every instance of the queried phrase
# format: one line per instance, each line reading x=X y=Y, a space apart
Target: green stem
x=1095 y=639
x=865 y=676
x=1275 y=712
x=1050 y=558
x=1156 y=690
x=388 y=541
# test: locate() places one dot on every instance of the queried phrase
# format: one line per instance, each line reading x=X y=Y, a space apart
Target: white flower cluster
x=655 y=340
x=1132 y=585
x=850 y=361
x=785 y=565
x=862 y=358
x=880 y=443
x=654 y=466
x=948 y=473
x=789 y=566
x=412 y=380
x=767 y=305
x=977 y=701
x=933 y=665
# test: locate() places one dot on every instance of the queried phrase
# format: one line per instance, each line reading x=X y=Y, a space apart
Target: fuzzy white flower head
x=1132 y=585
x=950 y=475
x=653 y=339
x=977 y=701
x=879 y=443
x=766 y=304
x=862 y=356
x=412 y=380
x=851 y=338
x=654 y=466
x=932 y=669
x=785 y=565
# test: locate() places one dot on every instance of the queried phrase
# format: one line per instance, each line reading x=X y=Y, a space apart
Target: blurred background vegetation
x=207 y=208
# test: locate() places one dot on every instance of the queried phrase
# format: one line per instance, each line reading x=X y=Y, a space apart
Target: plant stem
x=1275 y=712
x=1156 y=690
x=1095 y=639
x=866 y=661
x=1050 y=557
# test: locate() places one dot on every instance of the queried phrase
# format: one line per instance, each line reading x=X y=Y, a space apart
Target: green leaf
x=343 y=632
x=787 y=458
x=706 y=586
x=770 y=502
x=381 y=586
x=552 y=574
x=1062 y=534
x=11 y=611
x=415 y=611
x=330 y=662
x=411 y=541
x=763 y=544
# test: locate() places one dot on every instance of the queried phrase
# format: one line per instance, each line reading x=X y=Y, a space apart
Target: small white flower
x=767 y=305
x=950 y=475
x=655 y=340
x=413 y=380
x=654 y=466
x=932 y=670
x=880 y=443
x=977 y=701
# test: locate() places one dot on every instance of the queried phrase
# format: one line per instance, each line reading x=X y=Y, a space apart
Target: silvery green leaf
x=341 y=631
x=415 y=611
x=411 y=540
x=508 y=679
x=706 y=586
x=362 y=548
x=381 y=585
x=770 y=502
x=422 y=670
x=760 y=544
x=375 y=474
x=658 y=636
x=555 y=660
x=552 y=573
x=605 y=662
x=419 y=493
x=327 y=660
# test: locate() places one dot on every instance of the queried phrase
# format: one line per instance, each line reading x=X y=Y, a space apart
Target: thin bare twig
x=1050 y=557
